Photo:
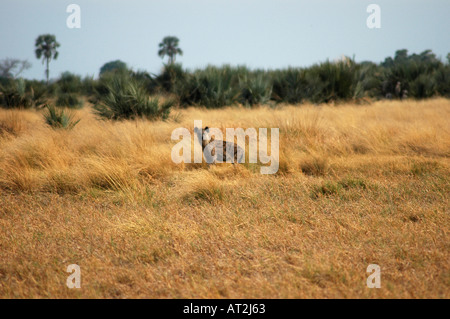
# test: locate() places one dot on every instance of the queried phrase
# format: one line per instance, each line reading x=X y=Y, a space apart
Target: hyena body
x=218 y=151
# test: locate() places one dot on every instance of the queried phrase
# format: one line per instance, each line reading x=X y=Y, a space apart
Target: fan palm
x=169 y=47
x=46 y=48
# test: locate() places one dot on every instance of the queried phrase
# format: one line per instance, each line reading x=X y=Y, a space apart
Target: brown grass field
x=357 y=185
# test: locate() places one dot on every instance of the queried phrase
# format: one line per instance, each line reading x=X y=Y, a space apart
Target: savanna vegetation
x=86 y=178
x=403 y=76
x=357 y=185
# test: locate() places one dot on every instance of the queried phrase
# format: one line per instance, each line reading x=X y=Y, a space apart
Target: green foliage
x=113 y=66
x=68 y=88
x=401 y=76
x=46 y=46
x=290 y=86
x=442 y=78
x=255 y=89
x=324 y=82
x=70 y=100
x=411 y=74
x=423 y=86
x=212 y=87
x=369 y=80
x=88 y=86
x=127 y=98
x=59 y=118
x=16 y=94
x=169 y=47
x=170 y=76
x=326 y=189
x=335 y=80
x=148 y=81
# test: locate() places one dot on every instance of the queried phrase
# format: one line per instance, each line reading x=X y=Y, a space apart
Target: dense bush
x=171 y=75
x=332 y=81
x=290 y=86
x=148 y=81
x=212 y=87
x=255 y=89
x=401 y=76
x=411 y=75
x=442 y=77
x=16 y=94
x=126 y=98
x=112 y=67
x=69 y=87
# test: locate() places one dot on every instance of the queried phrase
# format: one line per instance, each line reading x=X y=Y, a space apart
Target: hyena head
x=206 y=137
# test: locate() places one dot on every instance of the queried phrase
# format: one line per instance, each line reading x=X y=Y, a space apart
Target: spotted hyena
x=218 y=151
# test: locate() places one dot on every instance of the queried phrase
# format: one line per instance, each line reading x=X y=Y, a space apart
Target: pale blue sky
x=258 y=33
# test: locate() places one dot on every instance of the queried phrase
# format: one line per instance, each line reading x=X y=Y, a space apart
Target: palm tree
x=169 y=46
x=46 y=48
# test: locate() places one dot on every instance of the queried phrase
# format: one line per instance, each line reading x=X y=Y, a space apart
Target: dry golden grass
x=357 y=185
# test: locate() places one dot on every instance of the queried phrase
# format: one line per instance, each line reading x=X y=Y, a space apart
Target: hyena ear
x=206 y=128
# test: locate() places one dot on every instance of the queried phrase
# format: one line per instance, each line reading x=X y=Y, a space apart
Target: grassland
x=357 y=185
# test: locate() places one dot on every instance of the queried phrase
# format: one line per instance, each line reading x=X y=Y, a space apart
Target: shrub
x=424 y=86
x=213 y=87
x=70 y=100
x=149 y=82
x=15 y=94
x=126 y=98
x=67 y=89
x=59 y=118
x=113 y=67
x=333 y=81
x=368 y=81
x=290 y=86
x=170 y=76
x=255 y=89
x=442 y=79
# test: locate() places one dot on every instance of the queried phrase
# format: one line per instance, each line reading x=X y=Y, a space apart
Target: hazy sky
x=258 y=33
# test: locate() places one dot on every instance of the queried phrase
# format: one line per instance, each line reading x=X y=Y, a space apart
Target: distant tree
x=448 y=58
x=169 y=47
x=11 y=68
x=113 y=66
x=401 y=56
x=46 y=46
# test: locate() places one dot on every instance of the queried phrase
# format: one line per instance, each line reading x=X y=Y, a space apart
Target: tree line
x=120 y=92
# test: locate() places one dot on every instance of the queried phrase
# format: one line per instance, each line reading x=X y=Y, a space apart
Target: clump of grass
x=59 y=118
x=206 y=190
x=208 y=194
x=326 y=189
x=348 y=183
x=423 y=168
x=314 y=166
x=330 y=188
x=12 y=123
